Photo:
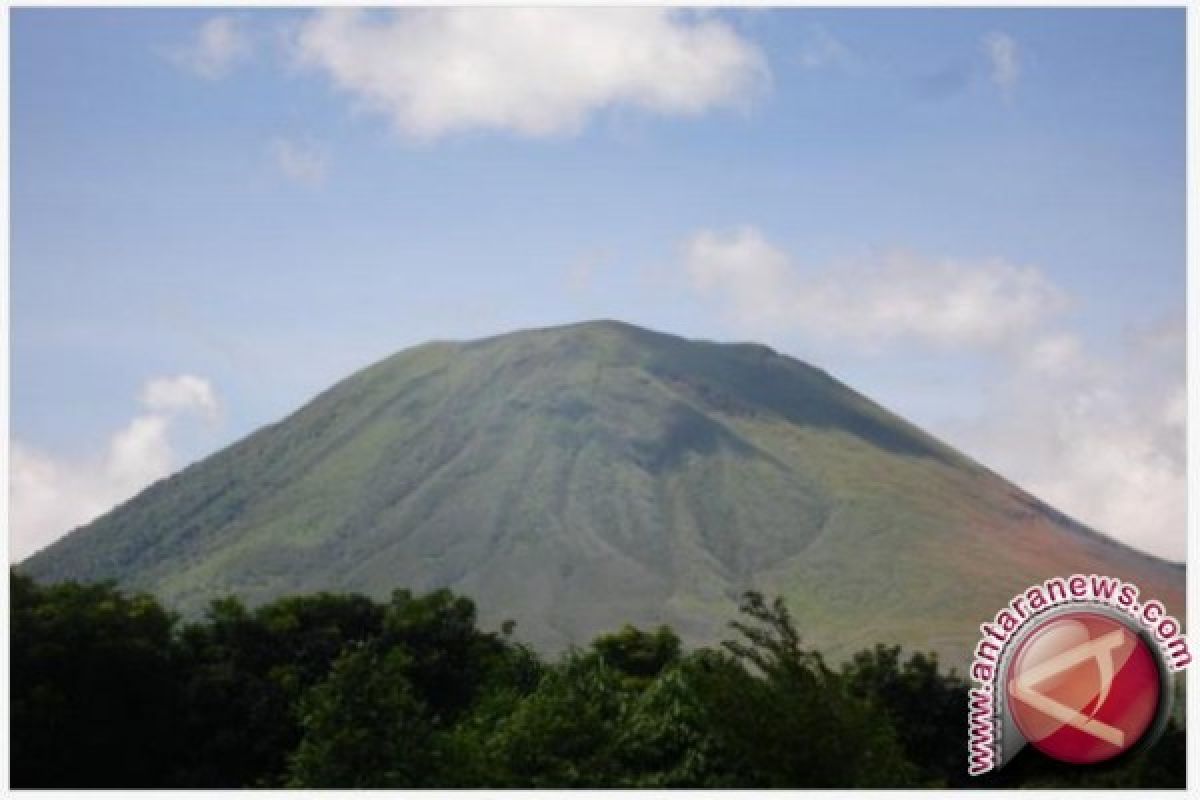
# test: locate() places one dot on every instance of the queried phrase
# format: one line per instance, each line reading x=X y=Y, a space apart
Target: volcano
x=577 y=478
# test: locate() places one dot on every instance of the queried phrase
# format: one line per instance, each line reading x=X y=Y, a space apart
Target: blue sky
x=975 y=217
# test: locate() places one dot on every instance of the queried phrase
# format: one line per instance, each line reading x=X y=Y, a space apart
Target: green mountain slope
x=580 y=477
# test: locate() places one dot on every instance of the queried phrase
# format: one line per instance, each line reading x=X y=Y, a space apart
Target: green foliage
x=793 y=720
x=636 y=654
x=563 y=734
x=669 y=736
x=590 y=723
x=927 y=707
x=338 y=691
x=364 y=726
x=247 y=672
x=448 y=656
x=95 y=687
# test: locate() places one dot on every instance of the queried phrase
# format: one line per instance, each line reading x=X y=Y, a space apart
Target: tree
x=793 y=721
x=563 y=734
x=364 y=726
x=341 y=691
x=95 y=687
x=927 y=708
x=667 y=736
x=449 y=658
x=639 y=655
x=246 y=674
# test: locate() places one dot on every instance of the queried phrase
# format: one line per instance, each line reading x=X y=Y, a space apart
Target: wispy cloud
x=996 y=63
x=50 y=496
x=531 y=71
x=1099 y=436
x=219 y=45
x=872 y=302
x=818 y=48
x=1004 y=61
x=301 y=162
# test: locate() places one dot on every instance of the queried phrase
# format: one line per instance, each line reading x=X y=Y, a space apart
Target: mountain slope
x=576 y=478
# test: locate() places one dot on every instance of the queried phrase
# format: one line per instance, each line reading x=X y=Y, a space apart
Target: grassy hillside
x=581 y=477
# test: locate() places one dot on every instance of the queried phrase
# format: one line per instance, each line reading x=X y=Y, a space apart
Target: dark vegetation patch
x=109 y=690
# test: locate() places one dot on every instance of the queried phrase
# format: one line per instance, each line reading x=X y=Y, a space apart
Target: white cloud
x=529 y=71
x=1053 y=354
x=50 y=496
x=179 y=394
x=300 y=162
x=219 y=45
x=1003 y=59
x=1098 y=437
x=1101 y=438
x=872 y=303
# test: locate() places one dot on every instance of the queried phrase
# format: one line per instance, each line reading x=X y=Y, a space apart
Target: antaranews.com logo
x=1079 y=668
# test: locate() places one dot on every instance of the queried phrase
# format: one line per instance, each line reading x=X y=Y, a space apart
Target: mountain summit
x=580 y=477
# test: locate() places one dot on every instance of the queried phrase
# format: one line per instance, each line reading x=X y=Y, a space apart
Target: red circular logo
x=1083 y=687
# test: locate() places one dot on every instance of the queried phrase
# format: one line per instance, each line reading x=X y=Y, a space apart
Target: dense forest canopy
x=109 y=689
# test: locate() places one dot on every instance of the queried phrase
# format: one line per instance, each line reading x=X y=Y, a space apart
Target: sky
x=975 y=217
